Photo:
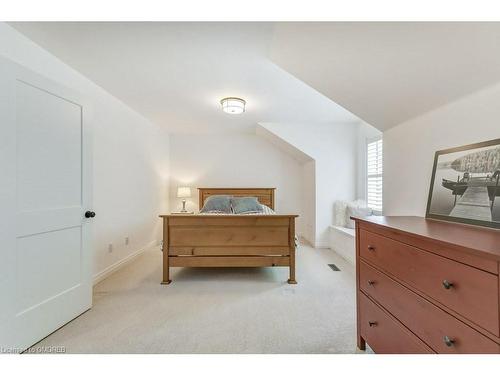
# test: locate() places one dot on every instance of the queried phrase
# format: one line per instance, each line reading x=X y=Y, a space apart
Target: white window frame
x=367 y=176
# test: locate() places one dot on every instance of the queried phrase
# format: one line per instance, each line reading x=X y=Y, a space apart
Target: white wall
x=130 y=157
x=234 y=160
x=334 y=148
x=309 y=201
x=409 y=147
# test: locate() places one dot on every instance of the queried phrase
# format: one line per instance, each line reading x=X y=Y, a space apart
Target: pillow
x=356 y=211
x=267 y=210
x=340 y=213
x=246 y=205
x=217 y=203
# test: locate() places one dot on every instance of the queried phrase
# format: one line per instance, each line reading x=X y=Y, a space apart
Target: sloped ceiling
x=175 y=73
x=313 y=73
x=292 y=149
x=387 y=73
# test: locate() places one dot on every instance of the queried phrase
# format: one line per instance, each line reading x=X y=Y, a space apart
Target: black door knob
x=89 y=214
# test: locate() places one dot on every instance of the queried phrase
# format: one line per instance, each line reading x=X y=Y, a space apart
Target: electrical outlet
x=127 y=241
x=110 y=248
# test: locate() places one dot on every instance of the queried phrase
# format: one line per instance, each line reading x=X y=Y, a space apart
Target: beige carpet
x=219 y=310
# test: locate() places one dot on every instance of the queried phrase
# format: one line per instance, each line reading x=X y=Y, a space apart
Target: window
x=374 y=175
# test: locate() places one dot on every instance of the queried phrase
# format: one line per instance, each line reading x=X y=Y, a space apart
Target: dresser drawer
x=466 y=290
x=384 y=334
x=431 y=324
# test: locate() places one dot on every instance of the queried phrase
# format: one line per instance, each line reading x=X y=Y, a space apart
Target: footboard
x=228 y=241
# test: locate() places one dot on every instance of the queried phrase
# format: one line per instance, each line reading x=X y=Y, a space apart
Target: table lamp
x=183 y=192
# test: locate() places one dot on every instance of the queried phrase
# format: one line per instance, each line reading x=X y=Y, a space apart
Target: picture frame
x=465 y=185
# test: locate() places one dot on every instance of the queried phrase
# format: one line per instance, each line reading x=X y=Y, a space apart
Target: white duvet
x=267 y=211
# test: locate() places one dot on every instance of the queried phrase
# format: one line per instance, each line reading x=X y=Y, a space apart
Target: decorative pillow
x=356 y=211
x=246 y=205
x=340 y=213
x=266 y=210
x=217 y=203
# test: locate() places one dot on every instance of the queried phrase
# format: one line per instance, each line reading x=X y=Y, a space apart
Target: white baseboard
x=108 y=271
x=321 y=245
x=305 y=241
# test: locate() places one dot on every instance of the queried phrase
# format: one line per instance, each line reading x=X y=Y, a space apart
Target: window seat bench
x=343 y=242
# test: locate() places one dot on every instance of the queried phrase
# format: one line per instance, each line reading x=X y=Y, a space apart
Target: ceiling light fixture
x=233 y=105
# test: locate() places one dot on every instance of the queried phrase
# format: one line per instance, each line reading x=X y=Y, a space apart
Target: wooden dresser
x=426 y=286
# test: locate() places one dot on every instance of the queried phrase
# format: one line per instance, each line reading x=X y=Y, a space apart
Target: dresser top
x=479 y=239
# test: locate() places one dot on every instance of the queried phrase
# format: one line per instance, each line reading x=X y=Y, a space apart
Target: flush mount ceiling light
x=233 y=106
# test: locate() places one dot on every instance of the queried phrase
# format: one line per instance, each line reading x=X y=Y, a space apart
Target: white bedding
x=267 y=211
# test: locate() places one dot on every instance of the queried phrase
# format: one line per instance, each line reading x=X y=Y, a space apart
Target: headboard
x=264 y=195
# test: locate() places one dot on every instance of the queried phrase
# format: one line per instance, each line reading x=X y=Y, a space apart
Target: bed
x=228 y=240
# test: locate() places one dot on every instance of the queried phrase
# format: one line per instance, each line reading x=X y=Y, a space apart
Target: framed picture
x=465 y=185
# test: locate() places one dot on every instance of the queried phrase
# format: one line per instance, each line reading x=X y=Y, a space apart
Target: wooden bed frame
x=229 y=240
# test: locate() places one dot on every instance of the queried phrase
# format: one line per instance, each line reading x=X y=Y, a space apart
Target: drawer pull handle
x=372 y=324
x=449 y=342
x=371 y=282
x=371 y=248
x=447 y=284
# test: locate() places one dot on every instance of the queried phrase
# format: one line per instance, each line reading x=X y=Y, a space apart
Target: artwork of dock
x=473 y=204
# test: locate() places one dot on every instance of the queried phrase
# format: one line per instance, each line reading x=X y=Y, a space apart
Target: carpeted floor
x=219 y=310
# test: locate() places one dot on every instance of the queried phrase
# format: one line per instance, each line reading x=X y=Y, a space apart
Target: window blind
x=374 y=175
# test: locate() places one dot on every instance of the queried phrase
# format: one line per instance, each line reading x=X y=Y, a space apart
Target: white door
x=45 y=255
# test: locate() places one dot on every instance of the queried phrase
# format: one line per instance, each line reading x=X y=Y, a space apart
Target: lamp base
x=183 y=206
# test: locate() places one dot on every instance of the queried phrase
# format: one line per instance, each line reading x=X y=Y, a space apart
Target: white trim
x=321 y=245
x=108 y=271
x=347 y=231
x=374 y=139
x=305 y=241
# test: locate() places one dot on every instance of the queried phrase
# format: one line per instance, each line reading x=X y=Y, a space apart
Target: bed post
x=291 y=240
x=166 y=270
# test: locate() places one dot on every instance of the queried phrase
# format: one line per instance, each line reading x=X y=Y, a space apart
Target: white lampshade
x=233 y=106
x=183 y=192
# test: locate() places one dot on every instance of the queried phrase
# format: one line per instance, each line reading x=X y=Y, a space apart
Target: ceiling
x=387 y=73
x=175 y=74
